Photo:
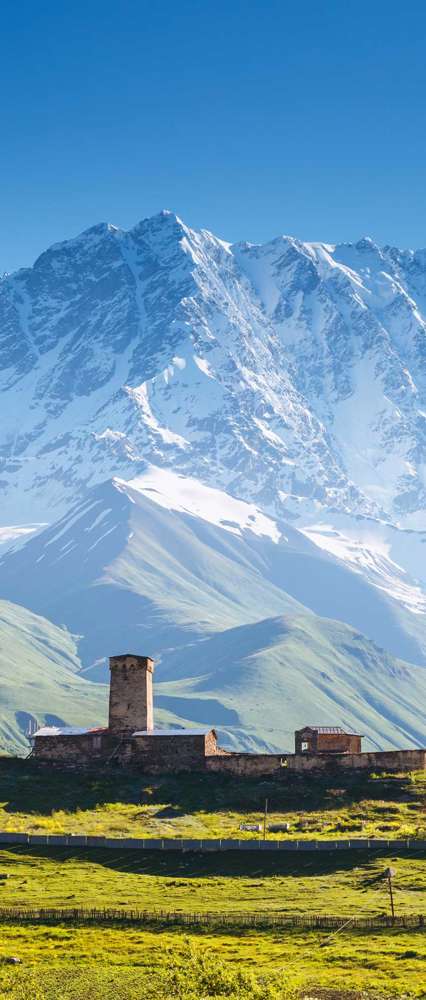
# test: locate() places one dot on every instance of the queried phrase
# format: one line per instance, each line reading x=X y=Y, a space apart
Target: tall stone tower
x=130 y=694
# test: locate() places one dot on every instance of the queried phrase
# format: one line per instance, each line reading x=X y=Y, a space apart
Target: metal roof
x=66 y=731
x=328 y=729
x=77 y=731
x=174 y=732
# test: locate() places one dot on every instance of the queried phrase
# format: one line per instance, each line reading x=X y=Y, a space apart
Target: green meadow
x=39 y=800
x=347 y=884
x=136 y=961
x=122 y=964
x=131 y=962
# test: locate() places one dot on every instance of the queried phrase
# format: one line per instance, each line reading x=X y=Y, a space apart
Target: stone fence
x=244 y=765
x=171 y=844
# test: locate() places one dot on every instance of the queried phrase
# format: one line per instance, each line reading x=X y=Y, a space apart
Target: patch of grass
x=76 y=963
x=323 y=883
x=39 y=800
x=127 y=963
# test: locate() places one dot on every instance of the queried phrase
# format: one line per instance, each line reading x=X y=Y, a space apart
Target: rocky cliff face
x=230 y=443
x=291 y=374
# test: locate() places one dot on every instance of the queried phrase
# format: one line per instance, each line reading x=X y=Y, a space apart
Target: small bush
x=197 y=975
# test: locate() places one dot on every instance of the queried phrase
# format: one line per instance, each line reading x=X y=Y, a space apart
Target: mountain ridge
x=236 y=362
x=219 y=435
x=246 y=618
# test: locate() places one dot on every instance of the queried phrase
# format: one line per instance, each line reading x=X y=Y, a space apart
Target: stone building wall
x=79 y=749
x=319 y=742
x=150 y=753
x=130 y=695
x=197 y=752
x=173 y=753
x=253 y=765
x=338 y=743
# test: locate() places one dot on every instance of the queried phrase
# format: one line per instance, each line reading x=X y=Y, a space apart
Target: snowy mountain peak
x=291 y=375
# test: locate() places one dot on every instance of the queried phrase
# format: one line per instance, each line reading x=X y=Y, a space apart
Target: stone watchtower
x=130 y=694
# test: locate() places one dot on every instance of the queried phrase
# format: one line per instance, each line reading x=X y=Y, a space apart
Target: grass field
x=388 y=963
x=391 y=962
x=347 y=885
x=37 y=800
x=129 y=962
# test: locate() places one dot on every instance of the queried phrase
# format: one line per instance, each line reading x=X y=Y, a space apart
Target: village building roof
x=66 y=731
x=329 y=730
x=175 y=732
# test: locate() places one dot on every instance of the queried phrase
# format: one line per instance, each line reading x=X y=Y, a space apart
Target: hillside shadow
x=224 y=864
x=28 y=787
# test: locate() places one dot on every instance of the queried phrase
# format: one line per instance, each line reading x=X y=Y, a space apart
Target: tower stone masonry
x=130 y=695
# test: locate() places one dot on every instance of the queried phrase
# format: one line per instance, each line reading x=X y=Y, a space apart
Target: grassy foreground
x=124 y=964
x=37 y=800
x=134 y=962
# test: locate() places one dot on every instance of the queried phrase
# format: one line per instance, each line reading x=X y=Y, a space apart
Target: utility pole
x=265 y=818
x=389 y=873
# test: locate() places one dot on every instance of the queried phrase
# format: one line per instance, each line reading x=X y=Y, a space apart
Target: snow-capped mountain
x=238 y=610
x=292 y=374
x=223 y=437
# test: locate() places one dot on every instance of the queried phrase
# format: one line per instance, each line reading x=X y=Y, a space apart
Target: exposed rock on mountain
x=221 y=436
x=288 y=373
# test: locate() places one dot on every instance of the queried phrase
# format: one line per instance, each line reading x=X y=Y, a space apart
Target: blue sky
x=248 y=118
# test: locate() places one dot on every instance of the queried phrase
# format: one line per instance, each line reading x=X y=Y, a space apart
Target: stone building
x=130 y=740
x=326 y=739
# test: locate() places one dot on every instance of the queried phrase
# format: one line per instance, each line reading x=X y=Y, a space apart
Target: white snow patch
x=140 y=395
x=370 y=556
x=204 y=366
x=99 y=518
x=189 y=496
x=101 y=537
x=14 y=532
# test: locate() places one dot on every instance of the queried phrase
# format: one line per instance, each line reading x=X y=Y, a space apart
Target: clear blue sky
x=249 y=118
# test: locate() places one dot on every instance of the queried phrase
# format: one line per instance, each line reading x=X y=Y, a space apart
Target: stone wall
x=78 y=750
x=246 y=764
x=252 y=765
x=385 y=760
x=168 y=753
x=198 y=752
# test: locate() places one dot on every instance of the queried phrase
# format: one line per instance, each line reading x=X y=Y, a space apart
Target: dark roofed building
x=326 y=739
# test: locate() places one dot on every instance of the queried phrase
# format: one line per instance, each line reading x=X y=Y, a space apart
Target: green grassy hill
x=253 y=637
x=39 y=677
x=259 y=682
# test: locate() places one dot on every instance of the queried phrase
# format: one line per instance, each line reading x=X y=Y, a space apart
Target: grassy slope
x=281 y=667
x=276 y=675
x=36 y=800
x=154 y=580
x=38 y=671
